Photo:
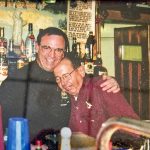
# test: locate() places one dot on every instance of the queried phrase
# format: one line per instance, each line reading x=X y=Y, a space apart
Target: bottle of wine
x=89 y=45
x=12 y=58
x=30 y=44
x=89 y=63
x=65 y=138
x=99 y=69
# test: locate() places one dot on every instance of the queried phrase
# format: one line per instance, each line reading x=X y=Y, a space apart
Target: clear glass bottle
x=30 y=44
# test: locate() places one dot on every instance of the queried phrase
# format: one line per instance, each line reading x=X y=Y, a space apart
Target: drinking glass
x=18 y=134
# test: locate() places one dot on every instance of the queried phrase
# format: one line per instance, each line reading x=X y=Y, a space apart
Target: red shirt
x=94 y=106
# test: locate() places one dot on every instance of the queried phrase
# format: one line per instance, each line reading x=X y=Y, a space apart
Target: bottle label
x=4 y=70
x=89 y=68
x=20 y=64
x=2 y=50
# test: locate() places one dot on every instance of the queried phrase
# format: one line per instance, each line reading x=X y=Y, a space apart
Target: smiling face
x=69 y=79
x=48 y=56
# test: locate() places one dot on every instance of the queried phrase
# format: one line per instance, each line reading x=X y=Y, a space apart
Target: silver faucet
x=120 y=123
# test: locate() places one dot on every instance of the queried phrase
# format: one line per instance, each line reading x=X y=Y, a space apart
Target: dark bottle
x=89 y=46
x=74 y=47
x=89 y=63
x=89 y=68
x=38 y=145
x=30 y=44
x=99 y=69
x=12 y=58
x=74 y=44
x=79 y=50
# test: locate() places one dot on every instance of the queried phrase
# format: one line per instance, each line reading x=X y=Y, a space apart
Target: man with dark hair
x=32 y=92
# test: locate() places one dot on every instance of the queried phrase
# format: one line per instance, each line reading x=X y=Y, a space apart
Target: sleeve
x=117 y=105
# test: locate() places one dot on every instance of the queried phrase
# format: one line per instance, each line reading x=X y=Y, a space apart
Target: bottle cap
x=30 y=26
x=65 y=132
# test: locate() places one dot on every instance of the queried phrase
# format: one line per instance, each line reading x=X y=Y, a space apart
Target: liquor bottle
x=74 y=47
x=12 y=58
x=30 y=44
x=3 y=52
x=89 y=63
x=89 y=45
x=79 y=50
x=65 y=138
x=89 y=67
x=3 y=41
x=99 y=69
x=3 y=64
x=38 y=145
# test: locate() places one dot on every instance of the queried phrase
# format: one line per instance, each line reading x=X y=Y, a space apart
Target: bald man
x=90 y=105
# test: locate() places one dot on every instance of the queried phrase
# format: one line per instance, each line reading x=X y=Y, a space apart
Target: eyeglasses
x=48 y=49
x=65 y=77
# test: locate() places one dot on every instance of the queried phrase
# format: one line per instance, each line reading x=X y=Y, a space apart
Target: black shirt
x=32 y=93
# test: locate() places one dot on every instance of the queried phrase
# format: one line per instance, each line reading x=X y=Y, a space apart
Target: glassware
x=18 y=134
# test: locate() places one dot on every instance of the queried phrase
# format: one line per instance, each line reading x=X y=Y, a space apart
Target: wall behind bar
x=46 y=18
x=40 y=19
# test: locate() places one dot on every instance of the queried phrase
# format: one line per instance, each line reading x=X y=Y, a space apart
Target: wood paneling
x=133 y=76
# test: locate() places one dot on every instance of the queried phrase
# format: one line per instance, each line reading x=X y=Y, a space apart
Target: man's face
x=68 y=79
x=50 y=51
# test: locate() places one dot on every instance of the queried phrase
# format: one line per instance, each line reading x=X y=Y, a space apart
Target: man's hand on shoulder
x=110 y=85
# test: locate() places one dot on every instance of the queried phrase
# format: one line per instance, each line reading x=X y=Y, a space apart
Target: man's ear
x=37 y=47
x=81 y=70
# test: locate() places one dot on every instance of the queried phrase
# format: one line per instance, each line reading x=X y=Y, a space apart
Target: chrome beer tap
x=137 y=127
